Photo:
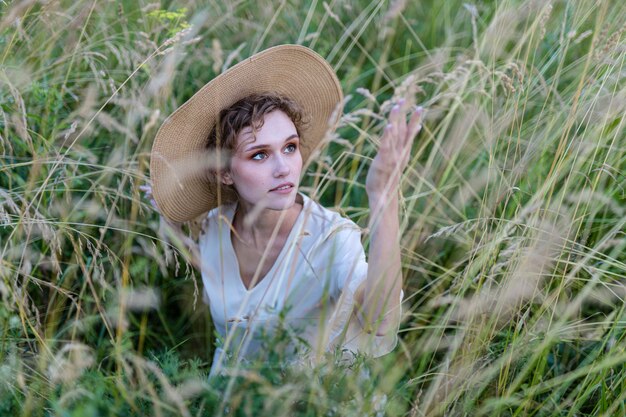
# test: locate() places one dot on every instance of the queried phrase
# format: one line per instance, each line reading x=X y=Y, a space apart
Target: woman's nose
x=282 y=167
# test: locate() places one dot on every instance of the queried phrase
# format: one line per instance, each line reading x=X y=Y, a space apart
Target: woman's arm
x=378 y=298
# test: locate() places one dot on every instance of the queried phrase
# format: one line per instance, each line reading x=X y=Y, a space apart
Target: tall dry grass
x=512 y=207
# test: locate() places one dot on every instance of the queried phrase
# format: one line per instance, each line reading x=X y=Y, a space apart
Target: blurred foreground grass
x=513 y=206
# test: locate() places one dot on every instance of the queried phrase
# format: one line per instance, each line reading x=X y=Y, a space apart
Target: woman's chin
x=273 y=201
x=284 y=203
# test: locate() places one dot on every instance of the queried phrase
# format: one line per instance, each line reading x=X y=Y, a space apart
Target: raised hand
x=380 y=296
x=393 y=154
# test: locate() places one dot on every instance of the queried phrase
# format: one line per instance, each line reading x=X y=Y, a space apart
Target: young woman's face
x=266 y=170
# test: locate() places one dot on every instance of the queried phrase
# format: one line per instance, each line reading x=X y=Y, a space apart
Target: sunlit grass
x=513 y=215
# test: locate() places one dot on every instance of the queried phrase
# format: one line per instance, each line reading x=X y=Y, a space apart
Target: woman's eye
x=259 y=156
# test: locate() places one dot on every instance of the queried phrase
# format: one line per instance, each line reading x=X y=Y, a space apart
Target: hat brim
x=181 y=183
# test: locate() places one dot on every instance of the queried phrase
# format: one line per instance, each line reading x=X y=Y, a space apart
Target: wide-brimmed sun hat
x=182 y=183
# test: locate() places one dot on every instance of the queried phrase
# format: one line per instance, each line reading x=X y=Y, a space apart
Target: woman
x=269 y=255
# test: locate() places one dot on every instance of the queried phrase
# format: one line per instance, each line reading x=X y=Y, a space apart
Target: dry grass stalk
x=543 y=19
x=142 y=366
x=70 y=363
x=140 y=299
x=15 y=13
x=217 y=54
x=521 y=286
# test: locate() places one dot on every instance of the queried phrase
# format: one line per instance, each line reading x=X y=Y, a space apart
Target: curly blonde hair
x=251 y=111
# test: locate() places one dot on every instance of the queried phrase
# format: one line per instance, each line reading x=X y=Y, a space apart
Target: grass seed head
x=70 y=363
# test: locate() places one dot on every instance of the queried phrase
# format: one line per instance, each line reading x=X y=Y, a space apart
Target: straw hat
x=181 y=181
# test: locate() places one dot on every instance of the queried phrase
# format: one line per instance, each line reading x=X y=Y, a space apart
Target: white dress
x=311 y=286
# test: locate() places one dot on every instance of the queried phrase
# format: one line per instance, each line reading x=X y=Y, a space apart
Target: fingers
x=386 y=138
x=398 y=121
x=415 y=123
x=413 y=128
x=405 y=142
x=402 y=133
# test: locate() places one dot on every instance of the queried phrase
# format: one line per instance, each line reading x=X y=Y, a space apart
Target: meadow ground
x=513 y=214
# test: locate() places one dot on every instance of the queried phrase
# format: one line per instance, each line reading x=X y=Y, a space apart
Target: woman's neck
x=255 y=227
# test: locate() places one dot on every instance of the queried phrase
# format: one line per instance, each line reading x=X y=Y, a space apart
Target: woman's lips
x=283 y=188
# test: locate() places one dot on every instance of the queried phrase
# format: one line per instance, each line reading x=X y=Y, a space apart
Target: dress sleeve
x=348 y=271
x=348 y=263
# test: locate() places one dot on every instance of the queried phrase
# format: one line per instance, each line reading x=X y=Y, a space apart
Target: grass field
x=513 y=206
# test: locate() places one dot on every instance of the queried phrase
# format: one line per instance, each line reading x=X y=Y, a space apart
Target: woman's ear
x=225 y=177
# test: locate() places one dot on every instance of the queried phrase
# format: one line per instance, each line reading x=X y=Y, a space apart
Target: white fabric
x=315 y=277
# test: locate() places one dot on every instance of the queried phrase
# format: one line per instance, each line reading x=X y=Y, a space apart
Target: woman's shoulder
x=213 y=216
x=324 y=221
x=318 y=220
